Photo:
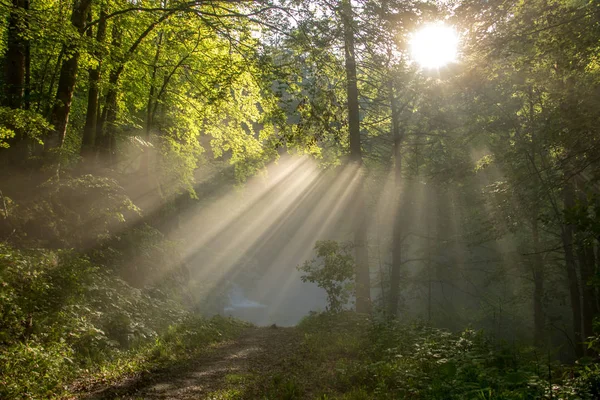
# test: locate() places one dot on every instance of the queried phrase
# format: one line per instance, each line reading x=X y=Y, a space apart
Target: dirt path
x=231 y=370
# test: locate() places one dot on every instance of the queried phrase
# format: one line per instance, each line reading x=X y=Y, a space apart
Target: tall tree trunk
x=152 y=92
x=363 y=280
x=27 y=93
x=538 y=263
x=574 y=291
x=108 y=119
x=91 y=117
x=15 y=58
x=105 y=128
x=538 y=282
x=42 y=83
x=16 y=75
x=145 y=163
x=68 y=77
x=587 y=261
x=49 y=93
x=109 y=112
x=397 y=231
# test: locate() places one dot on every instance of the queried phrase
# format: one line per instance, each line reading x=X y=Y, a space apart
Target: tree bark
x=397 y=230
x=538 y=283
x=16 y=56
x=49 y=94
x=108 y=118
x=587 y=261
x=16 y=75
x=67 y=77
x=363 y=280
x=109 y=112
x=152 y=92
x=91 y=117
x=571 y=266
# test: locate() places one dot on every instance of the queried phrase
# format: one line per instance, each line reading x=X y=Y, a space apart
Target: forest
x=287 y=199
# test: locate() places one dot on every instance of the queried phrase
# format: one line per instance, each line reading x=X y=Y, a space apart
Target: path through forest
x=233 y=369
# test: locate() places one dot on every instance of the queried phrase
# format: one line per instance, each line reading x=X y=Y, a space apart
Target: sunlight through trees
x=412 y=184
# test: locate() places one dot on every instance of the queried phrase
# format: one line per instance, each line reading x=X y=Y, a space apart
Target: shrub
x=332 y=270
x=61 y=315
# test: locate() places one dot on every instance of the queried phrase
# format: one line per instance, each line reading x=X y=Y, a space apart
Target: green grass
x=43 y=371
x=181 y=343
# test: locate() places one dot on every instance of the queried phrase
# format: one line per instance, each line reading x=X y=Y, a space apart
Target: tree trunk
x=91 y=117
x=67 y=77
x=105 y=128
x=15 y=58
x=109 y=112
x=363 y=284
x=151 y=94
x=27 y=94
x=538 y=283
x=574 y=291
x=397 y=231
x=48 y=98
x=587 y=261
x=16 y=75
x=145 y=163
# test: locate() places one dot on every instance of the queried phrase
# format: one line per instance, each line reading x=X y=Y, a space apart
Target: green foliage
x=423 y=362
x=76 y=212
x=332 y=270
x=33 y=370
x=391 y=360
x=64 y=317
x=20 y=124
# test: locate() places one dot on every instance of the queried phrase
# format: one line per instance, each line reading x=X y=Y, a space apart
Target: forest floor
x=245 y=367
x=349 y=357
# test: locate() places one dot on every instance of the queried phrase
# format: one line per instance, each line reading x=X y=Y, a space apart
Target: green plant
x=332 y=270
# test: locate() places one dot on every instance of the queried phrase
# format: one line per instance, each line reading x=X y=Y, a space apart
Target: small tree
x=332 y=270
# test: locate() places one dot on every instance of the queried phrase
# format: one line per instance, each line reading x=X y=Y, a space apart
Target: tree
x=68 y=74
x=332 y=270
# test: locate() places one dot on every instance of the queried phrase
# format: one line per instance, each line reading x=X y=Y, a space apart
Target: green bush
x=417 y=361
x=332 y=270
x=63 y=317
x=391 y=360
x=21 y=123
x=34 y=370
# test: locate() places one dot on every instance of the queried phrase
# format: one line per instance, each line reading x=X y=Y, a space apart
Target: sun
x=434 y=45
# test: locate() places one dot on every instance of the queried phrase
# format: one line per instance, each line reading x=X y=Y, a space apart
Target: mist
x=293 y=200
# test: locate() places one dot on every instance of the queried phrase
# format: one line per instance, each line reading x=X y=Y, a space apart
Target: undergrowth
x=65 y=319
x=347 y=356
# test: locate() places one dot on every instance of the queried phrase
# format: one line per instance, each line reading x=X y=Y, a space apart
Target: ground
x=236 y=369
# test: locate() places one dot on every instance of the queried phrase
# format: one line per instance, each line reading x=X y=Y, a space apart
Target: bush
x=34 y=370
x=332 y=270
x=417 y=361
x=362 y=358
x=80 y=212
x=61 y=315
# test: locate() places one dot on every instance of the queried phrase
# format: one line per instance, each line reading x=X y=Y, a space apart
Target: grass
x=181 y=343
x=68 y=323
x=341 y=356
x=42 y=371
x=325 y=346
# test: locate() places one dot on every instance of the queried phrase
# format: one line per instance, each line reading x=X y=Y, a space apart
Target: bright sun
x=434 y=46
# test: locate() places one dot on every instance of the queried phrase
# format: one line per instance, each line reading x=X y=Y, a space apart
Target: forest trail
x=231 y=369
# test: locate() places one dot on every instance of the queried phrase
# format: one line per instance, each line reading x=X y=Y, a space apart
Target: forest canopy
x=419 y=162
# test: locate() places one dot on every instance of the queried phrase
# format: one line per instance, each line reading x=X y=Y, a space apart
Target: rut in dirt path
x=256 y=352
